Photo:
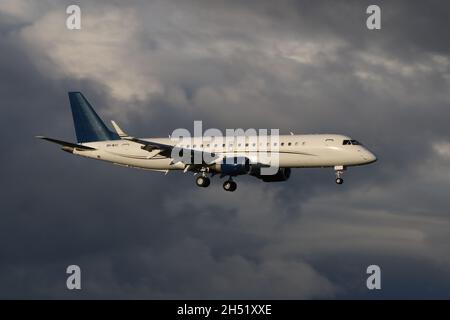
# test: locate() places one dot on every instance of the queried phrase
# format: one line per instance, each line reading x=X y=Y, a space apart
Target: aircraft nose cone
x=370 y=157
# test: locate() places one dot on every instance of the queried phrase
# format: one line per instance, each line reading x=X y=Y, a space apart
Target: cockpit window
x=350 y=142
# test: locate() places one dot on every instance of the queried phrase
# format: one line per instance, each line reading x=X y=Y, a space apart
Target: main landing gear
x=202 y=181
x=339 y=171
x=229 y=185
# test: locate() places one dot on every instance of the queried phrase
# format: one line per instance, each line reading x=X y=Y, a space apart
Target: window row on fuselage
x=253 y=145
x=232 y=145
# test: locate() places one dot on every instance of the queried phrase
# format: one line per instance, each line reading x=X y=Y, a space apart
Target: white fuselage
x=293 y=151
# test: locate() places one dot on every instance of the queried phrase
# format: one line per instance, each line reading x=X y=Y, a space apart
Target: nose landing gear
x=339 y=171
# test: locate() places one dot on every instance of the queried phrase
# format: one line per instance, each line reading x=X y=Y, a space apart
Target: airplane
x=96 y=141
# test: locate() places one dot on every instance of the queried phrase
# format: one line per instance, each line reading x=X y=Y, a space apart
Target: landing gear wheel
x=229 y=185
x=339 y=180
x=202 y=181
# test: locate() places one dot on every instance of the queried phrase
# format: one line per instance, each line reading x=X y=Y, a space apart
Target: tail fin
x=88 y=125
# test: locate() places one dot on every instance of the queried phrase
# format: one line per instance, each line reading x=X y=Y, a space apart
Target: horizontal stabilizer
x=66 y=144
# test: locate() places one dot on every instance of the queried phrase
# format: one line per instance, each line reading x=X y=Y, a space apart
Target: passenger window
x=282 y=143
x=289 y=143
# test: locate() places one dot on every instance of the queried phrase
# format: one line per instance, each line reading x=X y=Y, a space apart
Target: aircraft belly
x=159 y=164
x=134 y=160
x=294 y=160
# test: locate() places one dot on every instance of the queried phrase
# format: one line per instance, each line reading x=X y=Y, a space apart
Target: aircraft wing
x=166 y=150
x=150 y=145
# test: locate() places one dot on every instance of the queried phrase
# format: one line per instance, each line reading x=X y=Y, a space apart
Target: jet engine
x=282 y=175
x=233 y=166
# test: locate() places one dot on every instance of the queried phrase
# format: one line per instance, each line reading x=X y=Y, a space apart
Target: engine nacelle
x=233 y=166
x=282 y=175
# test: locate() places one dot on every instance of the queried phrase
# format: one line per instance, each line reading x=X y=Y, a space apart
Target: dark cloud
x=305 y=66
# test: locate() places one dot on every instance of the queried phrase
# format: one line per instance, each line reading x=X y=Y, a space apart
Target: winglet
x=119 y=131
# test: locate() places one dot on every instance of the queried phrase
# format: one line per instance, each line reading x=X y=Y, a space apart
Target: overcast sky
x=153 y=66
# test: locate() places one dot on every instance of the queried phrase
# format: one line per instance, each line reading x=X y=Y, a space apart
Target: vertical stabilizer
x=88 y=125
